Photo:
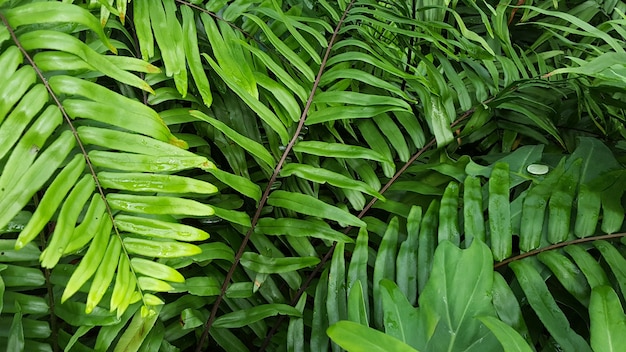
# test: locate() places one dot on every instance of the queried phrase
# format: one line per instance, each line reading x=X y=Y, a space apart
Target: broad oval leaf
x=457 y=291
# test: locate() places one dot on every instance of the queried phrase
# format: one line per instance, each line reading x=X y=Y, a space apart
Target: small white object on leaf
x=538 y=169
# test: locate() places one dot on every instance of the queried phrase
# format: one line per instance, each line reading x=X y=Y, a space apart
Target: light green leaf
x=291 y=56
x=348 y=112
x=309 y=205
x=355 y=337
x=134 y=335
x=338 y=150
x=438 y=121
x=457 y=292
x=263 y=111
x=268 y=265
x=300 y=228
x=471 y=35
x=246 y=143
x=251 y=315
x=510 y=339
x=401 y=320
x=54 y=12
x=240 y=184
x=608 y=322
x=361 y=99
x=587 y=28
x=357 y=310
x=46 y=39
x=594 y=66
x=322 y=176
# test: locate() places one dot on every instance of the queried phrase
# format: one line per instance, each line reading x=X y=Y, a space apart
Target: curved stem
x=557 y=246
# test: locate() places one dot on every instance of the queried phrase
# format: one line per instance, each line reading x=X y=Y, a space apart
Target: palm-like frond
x=102 y=167
x=332 y=108
x=412 y=262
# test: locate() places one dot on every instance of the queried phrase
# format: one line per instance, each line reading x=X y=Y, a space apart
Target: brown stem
x=557 y=246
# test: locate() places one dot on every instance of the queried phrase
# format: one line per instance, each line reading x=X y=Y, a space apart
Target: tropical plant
x=296 y=175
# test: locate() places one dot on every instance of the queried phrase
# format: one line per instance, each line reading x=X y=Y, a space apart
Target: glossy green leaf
x=401 y=320
x=50 y=12
x=560 y=204
x=251 y=146
x=319 y=338
x=295 y=330
x=300 y=228
x=546 y=308
x=283 y=48
x=608 y=322
x=356 y=307
x=168 y=249
x=240 y=184
x=500 y=212
x=134 y=335
x=474 y=222
x=615 y=260
x=348 y=112
x=336 y=302
x=322 y=176
x=568 y=274
x=590 y=267
x=384 y=266
x=158 y=205
x=45 y=39
x=507 y=307
x=338 y=150
x=354 y=337
x=251 y=315
x=233 y=66
x=265 y=113
x=457 y=293
x=406 y=261
x=309 y=205
x=448 y=215
x=155 y=270
x=16 y=332
x=510 y=339
x=357 y=268
x=192 y=54
x=427 y=240
x=268 y=265
x=158 y=228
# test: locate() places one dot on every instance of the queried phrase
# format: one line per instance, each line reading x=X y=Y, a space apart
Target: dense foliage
x=287 y=175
